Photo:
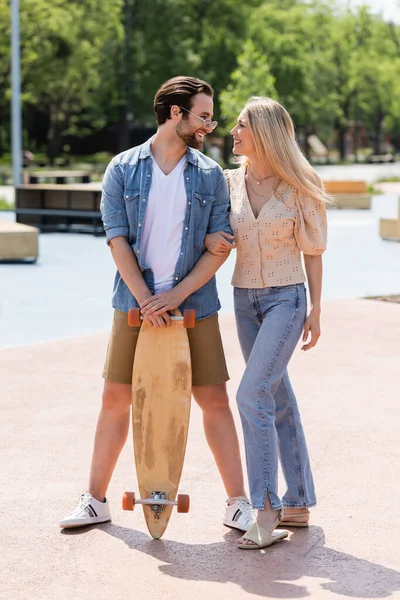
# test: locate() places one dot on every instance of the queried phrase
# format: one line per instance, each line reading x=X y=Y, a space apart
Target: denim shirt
x=126 y=187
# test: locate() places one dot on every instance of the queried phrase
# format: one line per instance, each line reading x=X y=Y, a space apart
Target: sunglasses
x=208 y=124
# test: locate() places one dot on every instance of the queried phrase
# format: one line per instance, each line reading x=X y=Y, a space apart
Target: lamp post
x=16 y=140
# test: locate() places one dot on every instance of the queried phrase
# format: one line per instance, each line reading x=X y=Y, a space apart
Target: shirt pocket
x=132 y=210
x=202 y=205
x=131 y=196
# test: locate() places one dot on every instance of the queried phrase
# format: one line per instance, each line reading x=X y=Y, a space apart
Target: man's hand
x=160 y=303
x=155 y=320
x=129 y=269
x=312 y=326
x=219 y=243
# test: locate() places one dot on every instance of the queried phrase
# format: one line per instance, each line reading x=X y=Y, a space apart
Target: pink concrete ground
x=348 y=389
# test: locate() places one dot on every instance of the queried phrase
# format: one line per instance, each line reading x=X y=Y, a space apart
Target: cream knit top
x=269 y=246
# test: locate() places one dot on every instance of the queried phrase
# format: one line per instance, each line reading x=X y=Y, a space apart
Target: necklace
x=262 y=195
x=261 y=180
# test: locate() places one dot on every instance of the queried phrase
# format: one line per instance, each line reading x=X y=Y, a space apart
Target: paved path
x=349 y=394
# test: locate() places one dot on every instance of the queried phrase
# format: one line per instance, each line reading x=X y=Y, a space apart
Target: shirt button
x=204 y=201
x=148 y=175
x=189 y=203
x=144 y=199
x=126 y=197
x=176 y=278
x=186 y=228
x=181 y=253
x=140 y=224
x=187 y=178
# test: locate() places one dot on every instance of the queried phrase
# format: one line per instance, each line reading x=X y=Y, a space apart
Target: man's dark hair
x=178 y=91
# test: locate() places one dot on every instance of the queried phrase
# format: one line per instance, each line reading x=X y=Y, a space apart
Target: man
x=159 y=201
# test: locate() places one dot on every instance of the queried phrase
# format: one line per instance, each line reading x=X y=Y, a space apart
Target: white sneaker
x=239 y=513
x=87 y=511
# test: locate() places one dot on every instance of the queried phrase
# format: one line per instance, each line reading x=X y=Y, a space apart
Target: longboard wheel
x=183 y=502
x=189 y=318
x=134 y=317
x=128 y=501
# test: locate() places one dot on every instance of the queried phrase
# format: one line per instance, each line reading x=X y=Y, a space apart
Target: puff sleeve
x=311 y=225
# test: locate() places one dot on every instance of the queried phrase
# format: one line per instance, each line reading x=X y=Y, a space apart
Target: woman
x=277 y=213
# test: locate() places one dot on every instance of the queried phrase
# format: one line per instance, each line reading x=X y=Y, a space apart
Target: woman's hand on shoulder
x=219 y=243
x=312 y=327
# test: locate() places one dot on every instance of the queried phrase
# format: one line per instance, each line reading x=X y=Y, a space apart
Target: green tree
x=366 y=59
x=80 y=71
x=87 y=64
x=252 y=77
x=376 y=76
x=64 y=55
x=202 y=39
x=5 y=93
x=287 y=47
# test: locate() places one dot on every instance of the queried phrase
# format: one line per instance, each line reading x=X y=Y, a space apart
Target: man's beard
x=189 y=138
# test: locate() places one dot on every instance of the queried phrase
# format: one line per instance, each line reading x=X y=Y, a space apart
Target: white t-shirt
x=163 y=224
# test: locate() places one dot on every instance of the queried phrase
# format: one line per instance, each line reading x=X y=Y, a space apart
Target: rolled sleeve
x=112 y=205
x=219 y=218
x=311 y=225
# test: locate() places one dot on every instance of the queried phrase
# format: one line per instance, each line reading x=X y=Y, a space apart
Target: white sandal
x=262 y=537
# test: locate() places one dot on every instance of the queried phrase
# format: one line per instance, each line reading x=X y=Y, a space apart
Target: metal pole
x=16 y=94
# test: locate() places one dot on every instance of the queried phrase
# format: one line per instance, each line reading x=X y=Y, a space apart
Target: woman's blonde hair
x=276 y=147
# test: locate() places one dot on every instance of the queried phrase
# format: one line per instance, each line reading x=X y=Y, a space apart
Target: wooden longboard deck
x=161 y=396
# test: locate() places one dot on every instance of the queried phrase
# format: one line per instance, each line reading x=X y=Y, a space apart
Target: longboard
x=161 y=398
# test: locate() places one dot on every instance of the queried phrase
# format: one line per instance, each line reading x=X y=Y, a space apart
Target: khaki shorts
x=206 y=351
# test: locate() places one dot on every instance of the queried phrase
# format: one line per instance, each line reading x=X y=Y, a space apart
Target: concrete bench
x=348 y=194
x=50 y=207
x=389 y=229
x=18 y=242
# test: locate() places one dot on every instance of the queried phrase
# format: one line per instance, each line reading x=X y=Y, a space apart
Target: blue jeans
x=270 y=322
